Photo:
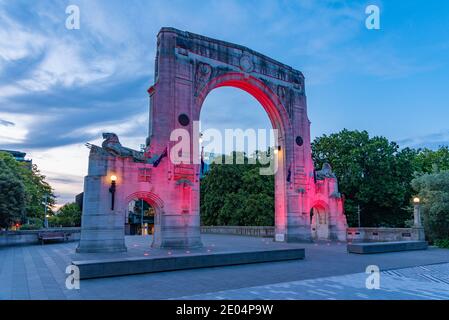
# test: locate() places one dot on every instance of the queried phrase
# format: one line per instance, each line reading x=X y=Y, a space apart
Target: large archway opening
x=254 y=199
x=230 y=108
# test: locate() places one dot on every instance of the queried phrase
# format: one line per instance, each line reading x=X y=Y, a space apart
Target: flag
x=158 y=160
x=202 y=161
x=289 y=174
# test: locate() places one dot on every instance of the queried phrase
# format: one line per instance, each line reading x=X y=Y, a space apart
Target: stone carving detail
x=204 y=73
x=244 y=58
x=325 y=172
x=246 y=63
x=298 y=84
x=287 y=97
x=202 y=76
x=321 y=175
x=112 y=146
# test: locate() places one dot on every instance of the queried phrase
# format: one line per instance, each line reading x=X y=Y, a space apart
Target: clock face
x=299 y=141
x=246 y=64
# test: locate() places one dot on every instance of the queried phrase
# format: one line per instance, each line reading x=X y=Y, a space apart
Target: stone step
x=137 y=265
x=382 y=247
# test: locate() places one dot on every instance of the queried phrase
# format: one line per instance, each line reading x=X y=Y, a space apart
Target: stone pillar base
x=175 y=231
x=178 y=243
x=298 y=234
x=418 y=233
x=100 y=247
x=337 y=233
x=101 y=239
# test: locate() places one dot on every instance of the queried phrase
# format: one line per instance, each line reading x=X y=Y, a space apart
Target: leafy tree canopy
x=236 y=194
x=69 y=215
x=12 y=196
x=36 y=188
x=373 y=173
x=428 y=161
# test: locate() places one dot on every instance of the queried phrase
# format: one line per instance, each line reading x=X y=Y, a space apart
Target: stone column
x=417 y=215
x=417 y=225
x=178 y=226
x=102 y=229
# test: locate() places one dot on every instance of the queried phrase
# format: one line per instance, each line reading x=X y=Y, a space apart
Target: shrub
x=29 y=226
x=442 y=243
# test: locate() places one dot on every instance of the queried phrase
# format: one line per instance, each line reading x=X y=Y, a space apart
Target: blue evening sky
x=61 y=88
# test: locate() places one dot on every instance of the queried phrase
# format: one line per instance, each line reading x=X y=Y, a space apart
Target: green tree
x=433 y=190
x=373 y=174
x=36 y=188
x=428 y=161
x=12 y=196
x=69 y=215
x=236 y=194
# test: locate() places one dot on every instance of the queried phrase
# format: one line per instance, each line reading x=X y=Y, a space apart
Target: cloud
x=6 y=123
x=431 y=141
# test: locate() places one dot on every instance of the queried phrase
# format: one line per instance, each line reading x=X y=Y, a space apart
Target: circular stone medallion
x=183 y=119
x=246 y=63
x=299 y=141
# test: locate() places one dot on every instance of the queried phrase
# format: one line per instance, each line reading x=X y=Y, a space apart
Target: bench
x=44 y=236
x=382 y=247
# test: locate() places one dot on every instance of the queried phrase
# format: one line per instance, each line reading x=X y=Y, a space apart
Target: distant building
x=207 y=160
x=79 y=200
x=19 y=156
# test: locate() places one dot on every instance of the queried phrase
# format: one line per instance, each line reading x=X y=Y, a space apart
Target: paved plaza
x=328 y=272
x=421 y=283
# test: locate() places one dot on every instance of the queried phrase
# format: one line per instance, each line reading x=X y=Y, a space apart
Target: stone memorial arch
x=188 y=66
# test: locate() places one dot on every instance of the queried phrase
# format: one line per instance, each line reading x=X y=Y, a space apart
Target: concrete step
x=382 y=247
x=137 y=265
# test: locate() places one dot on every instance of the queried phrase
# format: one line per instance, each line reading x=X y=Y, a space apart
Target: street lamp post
x=417 y=212
x=417 y=225
x=112 y=189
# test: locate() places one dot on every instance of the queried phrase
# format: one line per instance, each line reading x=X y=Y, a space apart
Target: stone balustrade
x=252 y=231
x=352 y=234
x=384 y=234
